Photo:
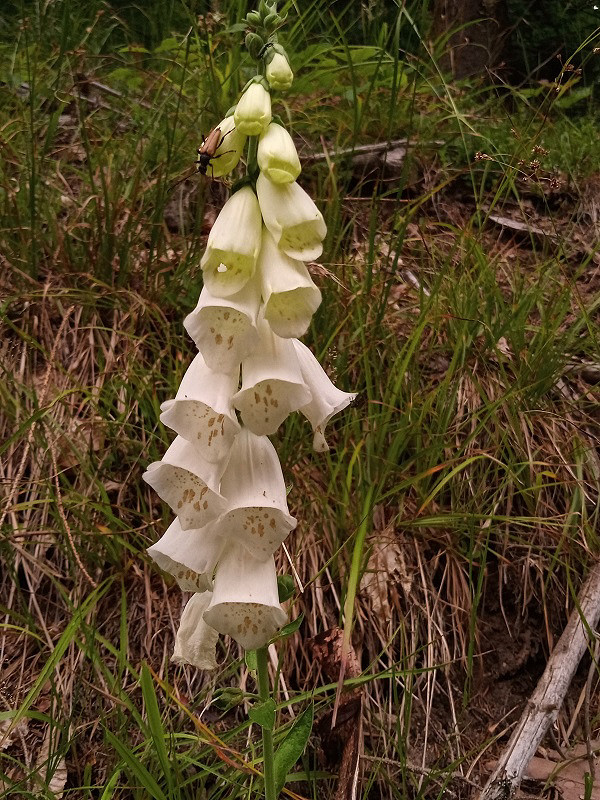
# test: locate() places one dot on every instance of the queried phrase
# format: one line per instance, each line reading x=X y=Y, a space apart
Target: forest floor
x=461 y=285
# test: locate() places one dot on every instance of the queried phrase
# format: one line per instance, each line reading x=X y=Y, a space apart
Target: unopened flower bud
x=277 y=156
x=253 y=111
x=254 y=44
x=253 y=18
x=279 y=73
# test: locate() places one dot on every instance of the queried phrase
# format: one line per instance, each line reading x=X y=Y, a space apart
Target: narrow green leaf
x=66 y=638
x=136 y=767
x=157 y=730
x=293 y=746
x=263 y=714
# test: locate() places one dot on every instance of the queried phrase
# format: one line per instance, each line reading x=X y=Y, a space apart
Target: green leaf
x=291 y=627
x=155 y=725
x=285 y=587
x=264 y=714
x=293 y=746
x=138 y=770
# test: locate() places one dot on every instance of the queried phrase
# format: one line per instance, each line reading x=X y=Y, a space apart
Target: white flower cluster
x=222 y=477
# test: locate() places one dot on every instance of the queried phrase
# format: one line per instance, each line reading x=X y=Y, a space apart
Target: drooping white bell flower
x=277 y=156
x=279 y=73
x=202 y=411
x=272 y=383
x=257 y=515
x=196 y=642
x=188 y=483
x=189 y=556
x=327 y=399
x=245 y=601
x=253 y=111
x=224 y=328
x=233 y=245
x=292 y=218
x=230 y=148
x=289 y=294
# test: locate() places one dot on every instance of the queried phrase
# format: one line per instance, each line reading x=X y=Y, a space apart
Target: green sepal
x=291 y=627
x=263 y=714
x=250 y=659
x=247 y=180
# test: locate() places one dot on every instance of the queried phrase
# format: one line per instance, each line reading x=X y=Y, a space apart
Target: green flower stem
x=252 y=162
x=264 y=691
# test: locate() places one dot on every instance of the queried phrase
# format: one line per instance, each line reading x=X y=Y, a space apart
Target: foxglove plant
x=221 y=475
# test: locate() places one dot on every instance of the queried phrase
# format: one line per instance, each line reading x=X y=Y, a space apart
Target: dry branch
x=547 y=699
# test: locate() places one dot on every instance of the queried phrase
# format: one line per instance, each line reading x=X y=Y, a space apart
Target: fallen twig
x=547 y=699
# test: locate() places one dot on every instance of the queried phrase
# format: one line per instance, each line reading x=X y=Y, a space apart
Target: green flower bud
x=271 y=21
x=253 y=18
x=254 y=44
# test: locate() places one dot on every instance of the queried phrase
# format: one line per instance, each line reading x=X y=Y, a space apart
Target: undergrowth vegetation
x=457 y=511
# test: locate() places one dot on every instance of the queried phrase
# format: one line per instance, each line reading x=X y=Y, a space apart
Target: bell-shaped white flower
x=277 y=156
x=189 y=556
x=257 y=515
x=327 y=399
x=292 y=218
x=245 y=601
x=279 y=73
x=233 y=244
x=196 y=642
x=253 y=111
x=202 y=411
x=224 y=328
x=230 y=148
x=272 y=383
x=289 y=294
x=188 y=483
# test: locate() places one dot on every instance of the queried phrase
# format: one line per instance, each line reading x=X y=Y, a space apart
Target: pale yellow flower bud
x=277 y=156
x=279 y=73
x=253 y=111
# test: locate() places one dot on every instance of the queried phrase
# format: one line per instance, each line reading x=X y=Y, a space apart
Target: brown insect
x=208 y=148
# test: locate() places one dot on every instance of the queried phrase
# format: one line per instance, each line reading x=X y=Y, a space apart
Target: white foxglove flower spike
x=233 y=245
x=196 y=642
x=257 y=515
x=245 y=601
x=224 y=328
x=272 y=383
x=327 y=399
x=202 y=411
x=277 y=156
x=292 y=218
x=289 y=294
x=230 y=149
x=253 y=111
x=188 y=483
x=189 y=556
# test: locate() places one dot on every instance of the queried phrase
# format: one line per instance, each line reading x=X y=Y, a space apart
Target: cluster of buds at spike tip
x=221 y=475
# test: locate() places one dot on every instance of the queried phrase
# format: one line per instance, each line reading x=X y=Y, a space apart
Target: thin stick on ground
x=547 y=699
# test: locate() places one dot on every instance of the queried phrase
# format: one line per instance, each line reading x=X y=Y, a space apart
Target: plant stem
x=264 y=692
x=252 y=161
